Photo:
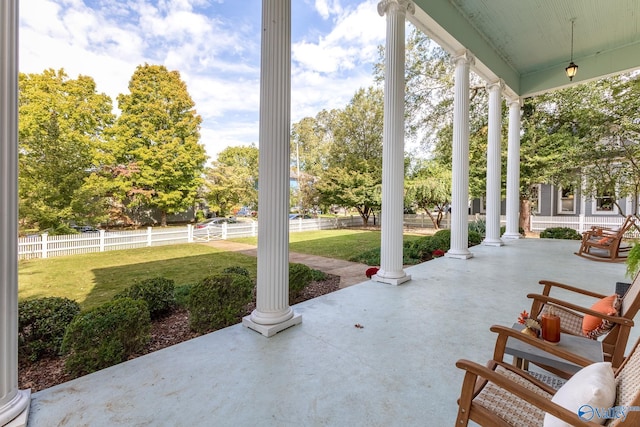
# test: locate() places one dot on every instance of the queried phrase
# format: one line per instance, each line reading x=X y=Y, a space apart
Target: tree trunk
x=163 y=219
x=525 y=215
x=436 y=222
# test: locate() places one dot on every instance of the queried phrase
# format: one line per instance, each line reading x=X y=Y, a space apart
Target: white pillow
x=593 y=385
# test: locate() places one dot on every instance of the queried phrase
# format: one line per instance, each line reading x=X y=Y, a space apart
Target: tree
x=61 y=132
x=429 y=189
x=354 y=167
x=311 y=139
x=611 y=152
x=351 y=188
x=233 y=179
x=157 y=138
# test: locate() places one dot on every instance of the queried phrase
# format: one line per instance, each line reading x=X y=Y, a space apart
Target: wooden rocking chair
x=605 y=244
x=571 y=315
x=501 y=395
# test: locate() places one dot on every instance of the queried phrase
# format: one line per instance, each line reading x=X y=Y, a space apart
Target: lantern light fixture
x=572 y=68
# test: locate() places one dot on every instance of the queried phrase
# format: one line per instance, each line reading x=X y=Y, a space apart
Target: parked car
x=85 y=228
x=245 y=211
x=214 y=223
x=298 y=216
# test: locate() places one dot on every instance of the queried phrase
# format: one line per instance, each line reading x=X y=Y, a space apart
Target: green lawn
x=341 y=244
x=93 y=279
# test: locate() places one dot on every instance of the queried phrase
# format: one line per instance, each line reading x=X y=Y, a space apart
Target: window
x=567 y=198
x=604 y=204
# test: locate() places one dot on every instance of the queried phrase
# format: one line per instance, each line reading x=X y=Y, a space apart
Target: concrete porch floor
x=397 y=370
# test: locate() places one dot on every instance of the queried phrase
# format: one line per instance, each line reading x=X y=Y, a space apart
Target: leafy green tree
x=610 y=152
x=354 y=167
x=429 y=189
x=61 y=132
x=311 y=139
x=233 y=179
x=157 y=139
x=351 y=188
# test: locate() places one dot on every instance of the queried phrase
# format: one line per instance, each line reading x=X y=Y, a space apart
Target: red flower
x=371 y=271
x=523 y=317
x=438 y=253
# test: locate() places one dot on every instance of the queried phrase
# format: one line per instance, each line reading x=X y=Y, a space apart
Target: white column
x=494 y=174
x=513 y=172
x=460 y=167
x=14 y=403
x=391 y=270
x=273 y=313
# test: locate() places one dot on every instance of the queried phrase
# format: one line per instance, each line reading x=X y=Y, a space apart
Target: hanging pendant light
x=572 y=68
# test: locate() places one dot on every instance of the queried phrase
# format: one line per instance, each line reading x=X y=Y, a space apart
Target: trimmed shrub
x=218 y=301
x=560 y=233
x=318 y=276
x=475 y=238
x=182 y=294
x=237 y=270
x=370 y=257
x=106 y=335
x=299 y=278
x=41 y=325
x=419 y=249
x=442 y=240
x=158 y=292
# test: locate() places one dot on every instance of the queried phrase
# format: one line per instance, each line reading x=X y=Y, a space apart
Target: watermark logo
x=588 y=412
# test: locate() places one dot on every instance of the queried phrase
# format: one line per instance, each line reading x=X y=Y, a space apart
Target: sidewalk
x=350 y=272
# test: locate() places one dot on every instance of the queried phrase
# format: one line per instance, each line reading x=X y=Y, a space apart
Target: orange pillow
x=608 y=305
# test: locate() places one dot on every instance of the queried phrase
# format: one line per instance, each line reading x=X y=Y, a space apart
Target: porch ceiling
x=528 y=43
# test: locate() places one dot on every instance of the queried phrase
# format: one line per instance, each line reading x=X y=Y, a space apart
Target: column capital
x=403 y=6
x=514 y=101
x=495 y=85
x=463 y=56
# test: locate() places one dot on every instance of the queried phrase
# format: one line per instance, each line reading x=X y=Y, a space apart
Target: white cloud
x=352 y=42
x=217 y=55
x=229 y=134
x=329 y=70
x=326 y=8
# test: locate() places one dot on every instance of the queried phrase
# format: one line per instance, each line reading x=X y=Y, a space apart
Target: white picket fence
x=580 y=223
x=45 y=246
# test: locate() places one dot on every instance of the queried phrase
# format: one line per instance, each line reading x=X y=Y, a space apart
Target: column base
x=458 y=254
x=391 y=280
x=19 y=419
x=492 y=242
x=512 y=236
x=271 y=330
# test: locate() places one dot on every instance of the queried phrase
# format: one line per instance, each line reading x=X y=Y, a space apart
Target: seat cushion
x=591 y=387
x=514 y=410
x=593 y=326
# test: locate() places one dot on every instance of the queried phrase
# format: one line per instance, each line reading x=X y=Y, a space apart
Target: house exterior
x=494 y=39
x=551 y=200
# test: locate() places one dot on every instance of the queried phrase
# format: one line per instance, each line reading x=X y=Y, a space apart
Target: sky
x=214 y=44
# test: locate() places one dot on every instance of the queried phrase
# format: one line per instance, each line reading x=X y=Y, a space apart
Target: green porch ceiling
x=528 y=43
